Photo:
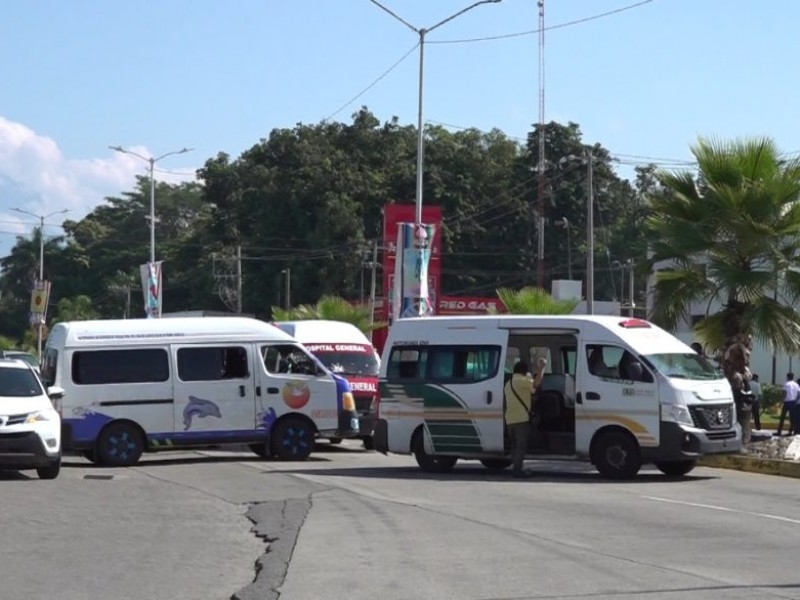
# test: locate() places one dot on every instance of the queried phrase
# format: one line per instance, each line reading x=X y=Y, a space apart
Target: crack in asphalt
x=278 y=524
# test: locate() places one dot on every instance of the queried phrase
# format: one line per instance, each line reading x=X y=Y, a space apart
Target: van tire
x=120 y=444
x=261 y=450
x=676 y=468
x=292 y=439
x=496 y=464
x=428 y=462
x=616 y=455
x=49 y=471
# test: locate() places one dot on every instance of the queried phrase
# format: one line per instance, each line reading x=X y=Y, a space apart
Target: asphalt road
x=354 y=524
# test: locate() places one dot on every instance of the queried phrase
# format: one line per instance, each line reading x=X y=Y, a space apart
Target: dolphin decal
x=199 y=408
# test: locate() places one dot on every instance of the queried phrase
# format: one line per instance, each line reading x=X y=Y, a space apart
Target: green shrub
x=771 y=397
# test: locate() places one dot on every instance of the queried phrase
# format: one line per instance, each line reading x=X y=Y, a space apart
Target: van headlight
x=36 y=418
x=348 y=402
x=676 y=413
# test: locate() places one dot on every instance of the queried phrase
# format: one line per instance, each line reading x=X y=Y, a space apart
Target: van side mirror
x=55 y=392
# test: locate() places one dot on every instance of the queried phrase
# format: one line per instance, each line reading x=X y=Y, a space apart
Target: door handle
x=271 y=390
x=241 y=391
x=258 y=390
x=592 y=396
x=578 y=398
x=489 y=397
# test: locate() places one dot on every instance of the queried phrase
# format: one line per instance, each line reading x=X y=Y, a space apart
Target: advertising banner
x=394 y=214
x=151 y=288
x=413 y=251
x=40 y=297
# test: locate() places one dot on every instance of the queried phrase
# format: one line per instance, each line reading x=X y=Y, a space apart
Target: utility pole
x=372 y=287
x=541 y=164
x=238 y=279
x=288 y=272
x=631 y=303
x=590 y=236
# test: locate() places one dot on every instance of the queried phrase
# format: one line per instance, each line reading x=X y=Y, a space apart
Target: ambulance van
x=618 y=392
x=346 y=351
x=139 y=385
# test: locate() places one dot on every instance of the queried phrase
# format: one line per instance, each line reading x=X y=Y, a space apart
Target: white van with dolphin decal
x=618 y=392
x=141 y=385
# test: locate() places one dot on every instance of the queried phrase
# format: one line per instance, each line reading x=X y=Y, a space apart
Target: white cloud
x=36 y=176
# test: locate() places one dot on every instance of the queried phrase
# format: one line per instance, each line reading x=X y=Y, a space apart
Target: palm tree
x=730 y=236
x=534 y=301
x=330 y=308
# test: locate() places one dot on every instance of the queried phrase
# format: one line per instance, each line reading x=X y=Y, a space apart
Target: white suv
x=30 y=428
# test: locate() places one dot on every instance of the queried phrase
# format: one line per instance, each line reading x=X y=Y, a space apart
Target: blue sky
x=79 y=76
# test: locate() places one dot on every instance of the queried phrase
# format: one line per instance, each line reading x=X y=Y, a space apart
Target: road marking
x=724 y=509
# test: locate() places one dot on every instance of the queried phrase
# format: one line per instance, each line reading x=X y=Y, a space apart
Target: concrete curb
x=742 y=462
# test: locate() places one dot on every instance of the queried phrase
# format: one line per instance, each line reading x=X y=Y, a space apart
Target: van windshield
x=683 y=366
x=347 y=359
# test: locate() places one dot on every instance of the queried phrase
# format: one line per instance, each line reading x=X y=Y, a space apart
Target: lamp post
x=422 y=32
x=41 y=261
x=152 y=162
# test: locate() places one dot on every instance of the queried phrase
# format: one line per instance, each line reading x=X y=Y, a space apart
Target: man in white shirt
x=791 y=391
x=755 y=387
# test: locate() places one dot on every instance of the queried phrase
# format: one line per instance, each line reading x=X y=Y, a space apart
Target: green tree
x=534 y=301
x=329 y=308
x=78 y=308
x=730 y=235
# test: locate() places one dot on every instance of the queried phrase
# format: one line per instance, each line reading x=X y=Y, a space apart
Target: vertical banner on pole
x=412 y=296
x=151 y=288
x=40 y=296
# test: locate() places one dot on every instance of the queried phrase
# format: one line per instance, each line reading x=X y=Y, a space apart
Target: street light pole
x=422 y=32
x=590 y=236
x=41 y=263
x=152 y=164
x=564 y=222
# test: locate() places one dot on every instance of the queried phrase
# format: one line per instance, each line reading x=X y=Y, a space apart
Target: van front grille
x=712 y=416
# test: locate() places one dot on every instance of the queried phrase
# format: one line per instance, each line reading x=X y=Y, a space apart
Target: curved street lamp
x=422 y=32
x=41 y=260
x=152 y=162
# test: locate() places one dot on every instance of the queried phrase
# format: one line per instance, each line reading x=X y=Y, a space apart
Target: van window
x=347 y=359
x=537 y=352
x=568 y=357
x=463 y=363
x=288 y=359
x=139 y=365
x=613 y=362
x=445 y=364
x=212 y=363
x=407 y=363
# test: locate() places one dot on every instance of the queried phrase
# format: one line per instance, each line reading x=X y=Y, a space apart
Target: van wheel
x=260 y=450
x=49 y=471
x=676 y=468
x=292 y=439
x=616 y=456
x=119 y=445
x=496 y=464
x=428 y=462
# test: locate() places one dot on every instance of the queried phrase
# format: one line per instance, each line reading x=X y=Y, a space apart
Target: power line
x=373 y=84
x=535 y=31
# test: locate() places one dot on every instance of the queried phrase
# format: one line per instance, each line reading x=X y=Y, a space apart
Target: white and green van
x=618 y=392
